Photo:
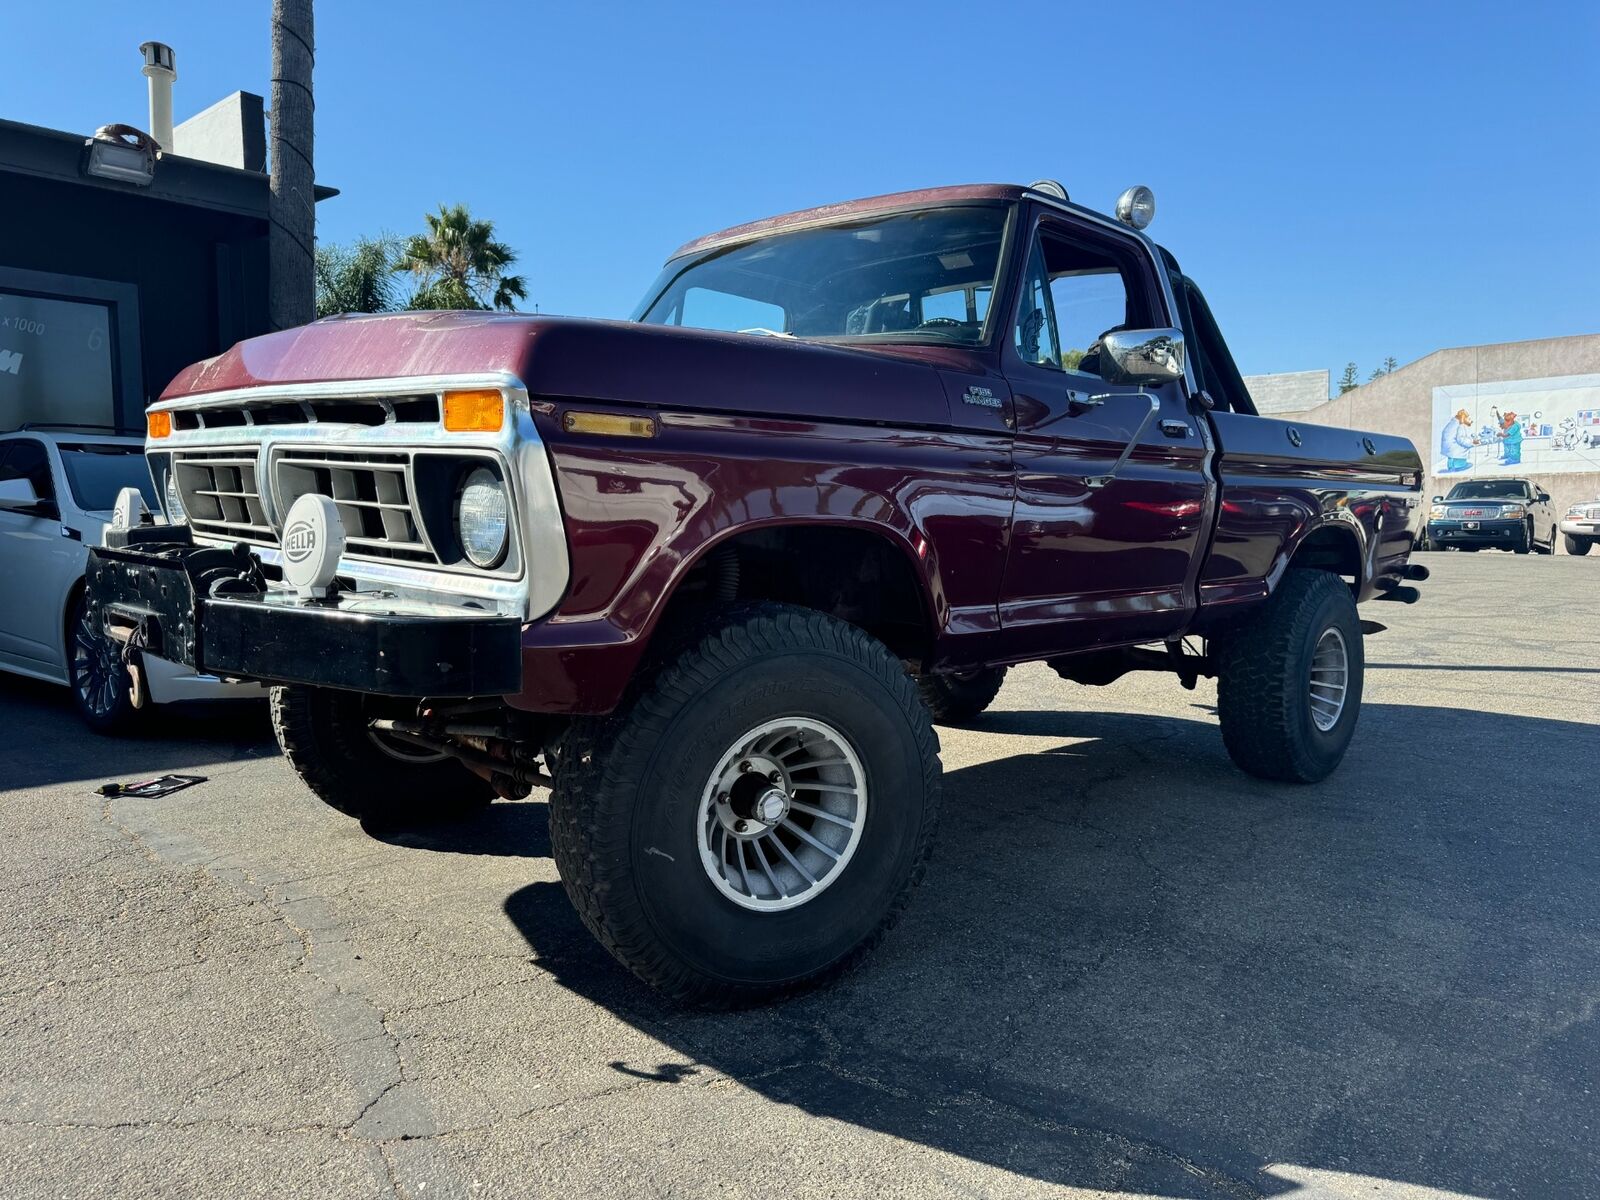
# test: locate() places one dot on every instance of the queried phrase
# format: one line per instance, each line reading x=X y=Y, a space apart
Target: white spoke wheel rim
x=1330 y=679
x=782 y=814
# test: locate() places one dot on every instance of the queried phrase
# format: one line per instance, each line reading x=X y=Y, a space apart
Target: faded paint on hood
x=620 y=362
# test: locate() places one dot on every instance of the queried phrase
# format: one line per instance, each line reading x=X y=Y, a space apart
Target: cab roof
x=920 y=198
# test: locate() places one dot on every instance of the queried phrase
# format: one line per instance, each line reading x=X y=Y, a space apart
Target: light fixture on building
x=122 y=153
x=1136 y=207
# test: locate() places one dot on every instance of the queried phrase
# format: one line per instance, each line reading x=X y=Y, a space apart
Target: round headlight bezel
x=172 y=501
x=484 y=481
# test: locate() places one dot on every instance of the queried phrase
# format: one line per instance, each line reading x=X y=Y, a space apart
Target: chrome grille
x=222 y=495
x=373 y=492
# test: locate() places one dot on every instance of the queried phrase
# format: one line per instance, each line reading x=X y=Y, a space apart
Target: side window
x=1035 y=333
x=1093 y=290
x=25 y=458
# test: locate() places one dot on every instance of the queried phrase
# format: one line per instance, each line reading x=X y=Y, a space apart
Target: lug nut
x=776 y=777
x=745 y=765
x=740 y=826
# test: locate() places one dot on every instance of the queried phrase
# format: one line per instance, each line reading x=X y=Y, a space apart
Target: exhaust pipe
x=160 y=70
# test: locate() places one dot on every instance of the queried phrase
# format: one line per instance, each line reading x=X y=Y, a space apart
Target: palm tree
x=458 y=264
x=356 y=278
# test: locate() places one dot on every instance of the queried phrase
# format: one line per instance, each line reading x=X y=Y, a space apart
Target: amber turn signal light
x=479 y=411
x=158 y=423
x=608 y=424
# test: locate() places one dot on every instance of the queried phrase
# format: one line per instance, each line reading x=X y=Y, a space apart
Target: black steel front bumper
x=212 y=609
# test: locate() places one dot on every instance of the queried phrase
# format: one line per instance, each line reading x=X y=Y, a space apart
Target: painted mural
x=1532 y=426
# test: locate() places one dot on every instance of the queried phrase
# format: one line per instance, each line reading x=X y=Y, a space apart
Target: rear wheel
x=97 y=674
x=754 y=821
x=953 y=697
x=380 y=780
x=1289 y=683
x=1577 y=545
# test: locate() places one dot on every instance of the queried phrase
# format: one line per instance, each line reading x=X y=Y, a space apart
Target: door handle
x=1175 y=428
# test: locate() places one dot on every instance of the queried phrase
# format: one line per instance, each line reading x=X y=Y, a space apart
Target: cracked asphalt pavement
x=1131 y=970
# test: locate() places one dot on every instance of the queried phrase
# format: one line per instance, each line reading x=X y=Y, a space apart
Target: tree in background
x=458 y=264
x=1348 y=381
x=1387 y=368
x=358 y=277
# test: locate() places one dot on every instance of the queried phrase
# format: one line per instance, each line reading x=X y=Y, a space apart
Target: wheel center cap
x=771 y=806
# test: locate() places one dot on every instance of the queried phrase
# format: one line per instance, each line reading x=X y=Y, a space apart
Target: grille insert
x=222 y=495
x=372 y=492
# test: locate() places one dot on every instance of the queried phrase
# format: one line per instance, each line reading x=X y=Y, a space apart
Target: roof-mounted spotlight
x=1136 y=207
x=120 y=152
x=1049 y=187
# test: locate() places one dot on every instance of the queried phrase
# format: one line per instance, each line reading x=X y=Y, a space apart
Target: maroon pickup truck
x=711 y=574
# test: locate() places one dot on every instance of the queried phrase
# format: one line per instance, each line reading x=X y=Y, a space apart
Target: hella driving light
x=482 y=518
x=1136 y=207
x=174 y=502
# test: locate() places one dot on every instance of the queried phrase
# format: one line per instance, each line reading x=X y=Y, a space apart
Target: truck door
x=31 y=547
x=1100 y=550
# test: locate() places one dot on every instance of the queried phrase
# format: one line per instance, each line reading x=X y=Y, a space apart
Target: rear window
x=97 y=474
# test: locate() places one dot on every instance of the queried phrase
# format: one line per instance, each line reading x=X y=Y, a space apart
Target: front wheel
x=1524 y=543
x=954 y=697
x=381 y=780
x=97 y=675
x=1289 y=683
x=1577 y=545
x=755 y=820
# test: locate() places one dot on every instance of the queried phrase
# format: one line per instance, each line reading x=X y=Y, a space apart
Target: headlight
x=482 y=514
x=1438 y=512
x=174 y=502
x=1512 y=510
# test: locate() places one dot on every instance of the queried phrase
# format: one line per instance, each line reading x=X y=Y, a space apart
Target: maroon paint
x=1019 y=558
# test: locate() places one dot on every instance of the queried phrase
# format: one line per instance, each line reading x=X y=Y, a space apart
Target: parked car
x=709 y=573
x=1580 y=528
x=58 y=485
x=1503 y=514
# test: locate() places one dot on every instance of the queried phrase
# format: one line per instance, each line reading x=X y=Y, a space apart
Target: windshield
x=926 y=275
x=1490 y=489
x=97 y=473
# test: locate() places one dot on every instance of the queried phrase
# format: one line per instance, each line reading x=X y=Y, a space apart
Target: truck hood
x=607 y=361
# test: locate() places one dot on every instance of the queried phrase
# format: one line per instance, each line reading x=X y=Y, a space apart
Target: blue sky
x=1345 y=181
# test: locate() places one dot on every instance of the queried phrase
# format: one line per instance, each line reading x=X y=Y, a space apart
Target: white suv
x=58 y=484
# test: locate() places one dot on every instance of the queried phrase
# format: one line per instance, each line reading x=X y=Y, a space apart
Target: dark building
x=108 y=287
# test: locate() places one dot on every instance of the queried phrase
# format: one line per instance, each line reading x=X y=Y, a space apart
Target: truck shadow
x=1132 y=968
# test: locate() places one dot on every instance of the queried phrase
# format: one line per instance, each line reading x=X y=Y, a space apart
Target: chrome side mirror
x=1142 y=356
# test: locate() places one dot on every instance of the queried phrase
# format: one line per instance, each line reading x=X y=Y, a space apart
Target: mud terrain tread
x=354 y=778
x=611 y=756
x=1258 y=697
x=952 y=699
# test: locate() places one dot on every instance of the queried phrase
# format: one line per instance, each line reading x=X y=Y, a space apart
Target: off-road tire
x=119 y=716
x=954 y=698
x=1577 y=545
x=1263 y=672
x=628 y=792
x=323 y=733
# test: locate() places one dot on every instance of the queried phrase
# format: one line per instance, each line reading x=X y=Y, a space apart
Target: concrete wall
x=231 y=133
x=1402 y=402
x=1287 y=391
